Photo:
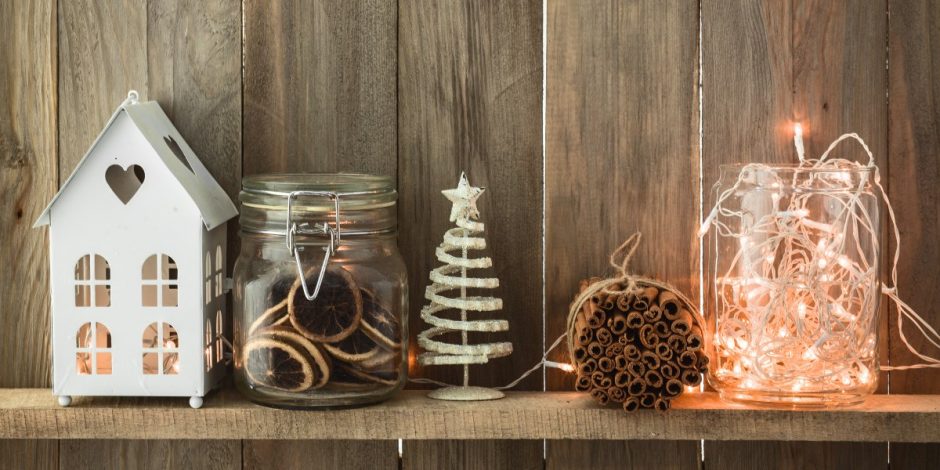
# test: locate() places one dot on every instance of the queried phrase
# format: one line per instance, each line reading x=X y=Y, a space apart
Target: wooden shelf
x=33 y=413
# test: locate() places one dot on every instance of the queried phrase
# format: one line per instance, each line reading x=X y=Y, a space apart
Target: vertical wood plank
x=470 y=99
x=185 y=54
x=320 y=91
x=914 y=173
x=766 y=65
x=320 y=96
x=98 y=454
x=621 y=156
x=27 y=182
x=770 y=454
x=28 y=173
x=322 y=455
x=473 y=455
x=29 y=454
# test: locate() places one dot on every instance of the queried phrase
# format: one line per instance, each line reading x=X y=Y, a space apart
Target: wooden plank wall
x=420 y=90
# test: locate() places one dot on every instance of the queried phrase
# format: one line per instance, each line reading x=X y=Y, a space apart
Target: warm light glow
x=797 y=130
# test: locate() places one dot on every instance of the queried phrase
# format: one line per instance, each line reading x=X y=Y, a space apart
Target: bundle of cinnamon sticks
x=639 y=349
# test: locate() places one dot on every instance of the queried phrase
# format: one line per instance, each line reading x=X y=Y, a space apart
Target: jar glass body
x=345 y=347
x=792 y=285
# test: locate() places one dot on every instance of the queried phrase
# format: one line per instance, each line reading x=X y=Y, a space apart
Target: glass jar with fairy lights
x=792 y=287
x=320 y=291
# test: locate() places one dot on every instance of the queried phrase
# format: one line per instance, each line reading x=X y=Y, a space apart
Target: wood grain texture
x=321 y=455
x=320 y=96
x=618 y=455
x=131 y=455
x=621 y=156
x=185 y=54
x=320 y=91
x=470 y=91
x=473 y=455
x=28 y=179
x=766 y=65
x=28 y=175
x=29 y=454
x=913 y=177
x=770 y=455
x=33 y=413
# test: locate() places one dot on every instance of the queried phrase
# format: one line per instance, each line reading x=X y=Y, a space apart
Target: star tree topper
x=464 y=198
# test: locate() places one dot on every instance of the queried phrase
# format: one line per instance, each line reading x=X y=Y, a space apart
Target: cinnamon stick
x=653 y=314
x=648 y=337
x=631 y=352
x=676 y=343
x=634 y=319
x=580 y=354
x=597 y=379
x=595 y=349
x=605 y=364
x=585 y=335
x=681 y=326
x=647 y=400
x=669 y=304
x=636 y=387
x=636 y=369
x=688 y=359
x=582 y=383
x=620 y=362
x=650 y=360
x=664 y=351
x=662 y=329
x=617 y=323
x=653 y=379
x=600 y=396
x=596 y=317
x=673 y=387
x=661 y=404
x=702 y=363
x=603 y=336
x=693 y=342
x=623 y=340
x=622 y=379
x=616 y=394
x=631 y=404
x=624 y=302
x=691 y=377
x=587 y=367
x=670 y=370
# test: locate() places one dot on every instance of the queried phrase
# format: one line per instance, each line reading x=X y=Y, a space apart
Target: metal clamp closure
x=334 y=232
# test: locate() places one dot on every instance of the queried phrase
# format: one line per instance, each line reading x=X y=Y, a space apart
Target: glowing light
x=801 y=310
x=810 y=354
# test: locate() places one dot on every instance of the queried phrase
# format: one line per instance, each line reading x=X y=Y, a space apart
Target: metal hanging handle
x=334 y=232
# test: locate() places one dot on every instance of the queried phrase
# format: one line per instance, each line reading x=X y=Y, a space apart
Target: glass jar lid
x=356 y=191
x=354 y=204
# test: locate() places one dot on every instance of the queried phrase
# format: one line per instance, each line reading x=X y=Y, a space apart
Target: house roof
x=214 y=204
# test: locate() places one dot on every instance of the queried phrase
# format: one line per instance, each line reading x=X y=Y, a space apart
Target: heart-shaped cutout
x=124 y=181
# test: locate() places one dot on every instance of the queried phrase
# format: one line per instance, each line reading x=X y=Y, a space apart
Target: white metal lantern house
x=137 y=257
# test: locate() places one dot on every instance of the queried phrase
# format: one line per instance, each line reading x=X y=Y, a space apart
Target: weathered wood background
x=640 y=100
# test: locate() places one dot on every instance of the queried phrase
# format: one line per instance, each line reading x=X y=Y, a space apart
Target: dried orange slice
x=276 y=364
x=319 y=360
x=356 y=347
x=379 y=323
x=349 y=374
x=275 y=315
x=334 y=314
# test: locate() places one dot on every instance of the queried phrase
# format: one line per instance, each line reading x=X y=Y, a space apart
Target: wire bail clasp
x=335 y=234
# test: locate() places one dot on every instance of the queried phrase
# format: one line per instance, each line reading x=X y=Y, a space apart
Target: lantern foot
x=195 y=402
x=65 y=400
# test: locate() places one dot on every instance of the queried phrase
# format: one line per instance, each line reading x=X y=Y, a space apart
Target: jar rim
x=355 y=191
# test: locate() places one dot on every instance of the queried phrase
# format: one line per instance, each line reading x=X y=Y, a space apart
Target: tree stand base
x=466 y=394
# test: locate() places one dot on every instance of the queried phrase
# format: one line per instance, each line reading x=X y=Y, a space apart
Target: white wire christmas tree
x=452 y=276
